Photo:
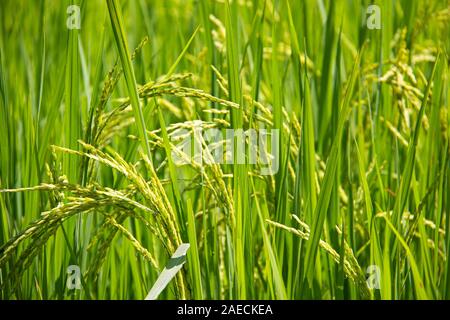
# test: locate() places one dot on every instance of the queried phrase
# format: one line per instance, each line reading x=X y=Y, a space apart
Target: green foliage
x=88 y=159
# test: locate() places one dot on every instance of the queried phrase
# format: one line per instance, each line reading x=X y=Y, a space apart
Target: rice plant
x=224 y=149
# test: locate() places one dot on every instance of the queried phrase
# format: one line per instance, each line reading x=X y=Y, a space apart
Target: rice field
x=224 y=149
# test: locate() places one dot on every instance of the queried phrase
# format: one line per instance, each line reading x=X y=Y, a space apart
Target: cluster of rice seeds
x=81 y=199
x=160 y=207
x=94 y=126
x=351 y=266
